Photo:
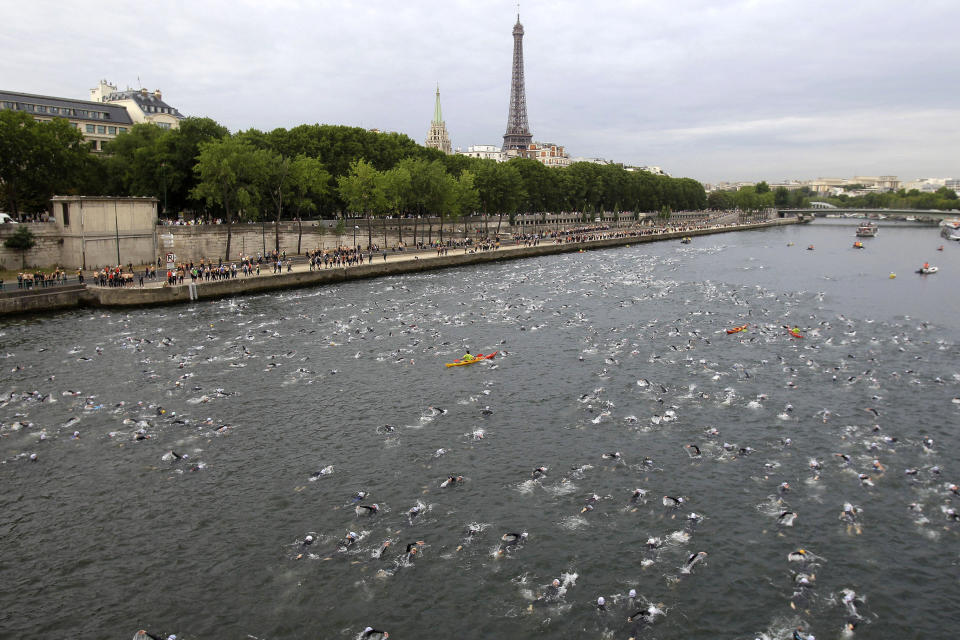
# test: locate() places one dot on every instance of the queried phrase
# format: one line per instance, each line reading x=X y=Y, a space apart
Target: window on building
x=163 y=125
x=54 y=110
x=101 y=128
x=89 y=128
x=41 y=108
x=93 y=144
x=122 y=129
x=112 y=131
x=28 y=107
x=66 y=214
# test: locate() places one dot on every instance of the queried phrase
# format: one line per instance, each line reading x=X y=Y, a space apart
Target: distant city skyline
x=717 y=91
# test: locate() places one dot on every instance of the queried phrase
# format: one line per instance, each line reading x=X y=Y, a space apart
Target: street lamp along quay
x=355 y=229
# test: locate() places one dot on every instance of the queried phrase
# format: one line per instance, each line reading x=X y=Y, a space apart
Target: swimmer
x=632 y=595
x=383 y=549
x=414 y=511
x=307 y=541
x=552 y=590
x=694 y=559
x=539 y=472
x=33 y=457
x=844 y=457
x=637 y=495
x=815 y=464
x=654 y=543
x=786 y=518
x=349 y=541
x=511 y=540
x=878 y=467
x=952 y=514
x=75 y=436
x=712 y=431
x=366 y=510
x=611 y=456
x=784 y=487
x=798 y=635
x=800 y=555
x=601 y=604
x=693 y=448
x=357 y=497
x=670 y=501
x=451 y=480
x=374 y=634
x=178 y=456
x=954 y=489
x=865 y=480
x=911 y=472
x=412 y=549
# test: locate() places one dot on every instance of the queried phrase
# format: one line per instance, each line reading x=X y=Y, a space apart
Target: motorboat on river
x=950 y=229
x=867 y=230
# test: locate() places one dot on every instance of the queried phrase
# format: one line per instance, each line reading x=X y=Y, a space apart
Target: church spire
x=437 y=115
x=437 y=136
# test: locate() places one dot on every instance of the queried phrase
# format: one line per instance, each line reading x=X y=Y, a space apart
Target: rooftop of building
x=147 y=101
x=116 y=113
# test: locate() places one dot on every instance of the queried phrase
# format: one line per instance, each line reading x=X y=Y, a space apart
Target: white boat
x=867 y=230
x=927 y=270
x=950 y=229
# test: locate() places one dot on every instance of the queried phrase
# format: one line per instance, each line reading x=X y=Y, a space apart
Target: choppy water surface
x=282 y=407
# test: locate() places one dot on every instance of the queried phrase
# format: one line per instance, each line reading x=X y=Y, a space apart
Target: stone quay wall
x=47 y=252
x=134 y=297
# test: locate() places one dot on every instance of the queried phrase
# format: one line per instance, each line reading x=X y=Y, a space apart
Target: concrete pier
x=396 y=264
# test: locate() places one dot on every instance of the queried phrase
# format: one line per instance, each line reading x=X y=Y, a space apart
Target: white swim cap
x=556 y=582
x=76 y=433
x=33 y=456
x=633 y=593
x=309 y=539
x=368 y=629
x=601 y=601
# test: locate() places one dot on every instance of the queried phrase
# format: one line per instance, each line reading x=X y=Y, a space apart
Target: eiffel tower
x=518 y=134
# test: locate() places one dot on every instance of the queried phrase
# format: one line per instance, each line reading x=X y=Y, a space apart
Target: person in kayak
x=468 y=357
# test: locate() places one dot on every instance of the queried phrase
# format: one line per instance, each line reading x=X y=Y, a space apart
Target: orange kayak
x=737 y=329
x=477 y=358
x=796 y=334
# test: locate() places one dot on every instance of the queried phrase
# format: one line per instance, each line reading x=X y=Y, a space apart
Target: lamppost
x=355 y=229
x=116 y=226
x=163 y=174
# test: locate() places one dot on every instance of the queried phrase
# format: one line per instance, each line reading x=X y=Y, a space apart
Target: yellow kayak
x=477 y=358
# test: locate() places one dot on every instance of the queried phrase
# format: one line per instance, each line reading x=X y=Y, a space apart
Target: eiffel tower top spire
x=518 y=134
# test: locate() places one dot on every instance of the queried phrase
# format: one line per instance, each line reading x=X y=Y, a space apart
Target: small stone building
x=101 y=231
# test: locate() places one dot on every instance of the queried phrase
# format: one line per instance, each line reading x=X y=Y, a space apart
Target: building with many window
x=547 y=153
x=98 y=122
x=483 y=151
x=142 y=105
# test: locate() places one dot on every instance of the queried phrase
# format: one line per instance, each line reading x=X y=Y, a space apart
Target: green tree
x=781 y=197
x=309 y=183
x=762 y=187
x=227 y=172
x=361 y=191
x=37 y=159
x=22 y=240
x=396 y=185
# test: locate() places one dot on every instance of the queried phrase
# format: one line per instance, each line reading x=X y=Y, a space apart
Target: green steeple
x=437 y=116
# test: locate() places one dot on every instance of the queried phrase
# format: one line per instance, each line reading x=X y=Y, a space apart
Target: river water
x=621 y=350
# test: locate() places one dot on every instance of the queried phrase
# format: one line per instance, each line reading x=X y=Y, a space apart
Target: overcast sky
x=721 y=90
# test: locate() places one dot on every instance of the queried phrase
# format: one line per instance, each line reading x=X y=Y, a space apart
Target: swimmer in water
x=670 y=501
x=349 y=541
x=366 y=510
x=611 y=456
x=786 y=518
x=784 y=487
x=412 y=549
x=383 y=549
x=357 y=497
x=693 y=450
x=601 y=604
x=694 y=559
x=33 y=457
x=374 y=634
x=637 y=496
x=539 y=472
x=451 y=480
x=414 y=511
x=511 y=540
